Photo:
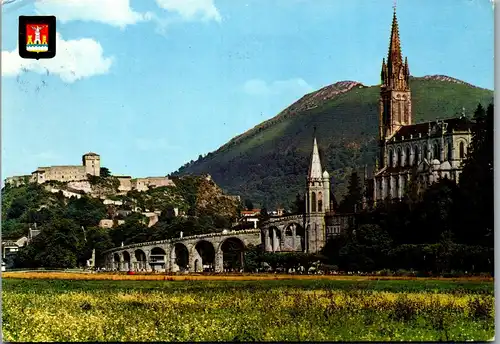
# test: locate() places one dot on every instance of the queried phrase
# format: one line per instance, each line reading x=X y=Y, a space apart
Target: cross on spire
x=394 y=5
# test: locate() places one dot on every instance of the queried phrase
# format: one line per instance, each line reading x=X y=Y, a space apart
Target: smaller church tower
x=92 y=163
x=317 y=202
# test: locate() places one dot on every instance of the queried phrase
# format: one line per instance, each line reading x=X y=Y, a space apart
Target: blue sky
x=151 y=84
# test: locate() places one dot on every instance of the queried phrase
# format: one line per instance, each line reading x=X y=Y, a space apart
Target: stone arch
x=126 y=261
x=320 y=201
x=204 y=256
x=294 y=237
x=390 y=158
x=231 y=251
x=273 y=241
x=399 y=157
x=313 y=202
x=158 y=259
x=116 y=261
x=179 y=257
x=461 y=150
x=140 y=257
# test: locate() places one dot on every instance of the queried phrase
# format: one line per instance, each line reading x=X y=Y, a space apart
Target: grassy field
x=267 y=309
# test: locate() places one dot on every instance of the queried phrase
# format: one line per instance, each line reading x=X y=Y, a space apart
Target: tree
x=299 y=206
x=86 y=211
x=264 y=215
x=104 y=172
x=248 y=204
x=253 y=258
x=476 y=181
x=352 y=202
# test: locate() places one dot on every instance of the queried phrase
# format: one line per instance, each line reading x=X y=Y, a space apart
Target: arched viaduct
x=212 y=252
x=197 y=253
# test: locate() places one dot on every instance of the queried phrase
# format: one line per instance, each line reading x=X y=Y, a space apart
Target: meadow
x=272 y=308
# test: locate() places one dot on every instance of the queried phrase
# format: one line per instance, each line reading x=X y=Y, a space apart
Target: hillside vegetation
x=70 y=226
x=268 y=163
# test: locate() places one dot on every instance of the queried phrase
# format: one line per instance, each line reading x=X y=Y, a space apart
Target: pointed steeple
x=315 y=170
x=394 y=57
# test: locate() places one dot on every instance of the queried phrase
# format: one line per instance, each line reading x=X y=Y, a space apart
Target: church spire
x=395 y=72
x=315 y=170
x=394 y=58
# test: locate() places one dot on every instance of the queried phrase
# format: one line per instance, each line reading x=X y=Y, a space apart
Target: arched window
x=390 y=158
x=400 y=157
x=436 y=151
x=396 y=193
x=416 y=156
x=462 y=150
x=320 y=202
x=450 y=152
x=424 y=152
x=313 y=202
x=408 y=156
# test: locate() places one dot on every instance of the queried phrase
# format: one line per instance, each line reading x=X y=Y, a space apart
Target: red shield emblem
x=37 y=38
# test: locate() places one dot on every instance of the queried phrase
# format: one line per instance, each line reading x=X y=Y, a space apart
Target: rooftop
x=422 y=129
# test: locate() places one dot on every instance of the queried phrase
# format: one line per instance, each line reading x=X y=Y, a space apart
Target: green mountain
x=268 y=163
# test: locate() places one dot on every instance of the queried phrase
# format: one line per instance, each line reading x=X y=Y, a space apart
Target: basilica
x=428 y=151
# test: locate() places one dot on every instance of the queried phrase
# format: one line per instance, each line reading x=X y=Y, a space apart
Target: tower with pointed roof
x=317 y=202
x=395 y=94
x=424 y=152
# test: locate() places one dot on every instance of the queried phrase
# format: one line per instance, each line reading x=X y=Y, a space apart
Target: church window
x=462 y=150
x=408 y=156
x=313 y=202
x=400 y=157
x=288 y=232
x=320 y=202
x=436 y=151
x=390 y=158
x=424 y=152
x=416 y=157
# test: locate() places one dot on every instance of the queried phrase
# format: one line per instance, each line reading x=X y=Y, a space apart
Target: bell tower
x=395 y=94
x=317 y=203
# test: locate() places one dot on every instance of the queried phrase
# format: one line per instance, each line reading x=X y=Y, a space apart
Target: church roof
x=422 y=129
x=91 y=154
x=315 y=170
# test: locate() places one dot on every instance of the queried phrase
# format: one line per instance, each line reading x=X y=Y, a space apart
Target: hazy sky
x=151 y=84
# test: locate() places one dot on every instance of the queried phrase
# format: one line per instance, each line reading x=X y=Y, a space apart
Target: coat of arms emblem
x=37 y=36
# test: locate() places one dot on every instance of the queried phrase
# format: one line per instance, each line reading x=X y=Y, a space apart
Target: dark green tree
x=476 y=182
x=248 y=204
x=352 y=202
x=104 y=172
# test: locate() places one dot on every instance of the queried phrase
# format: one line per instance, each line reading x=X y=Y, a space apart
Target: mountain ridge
x=276 y=151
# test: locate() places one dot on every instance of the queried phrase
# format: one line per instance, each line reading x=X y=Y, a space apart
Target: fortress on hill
x=91 y=165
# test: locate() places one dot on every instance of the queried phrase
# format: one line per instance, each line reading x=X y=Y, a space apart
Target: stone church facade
x=428 y=151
